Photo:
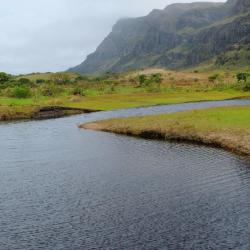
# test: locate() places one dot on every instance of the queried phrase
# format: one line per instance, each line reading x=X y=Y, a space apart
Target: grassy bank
x=15 y=109
x=227 y=127
x=21 y=96
x=8 y=113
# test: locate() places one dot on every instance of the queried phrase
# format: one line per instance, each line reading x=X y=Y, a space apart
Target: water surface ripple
x=66 y=188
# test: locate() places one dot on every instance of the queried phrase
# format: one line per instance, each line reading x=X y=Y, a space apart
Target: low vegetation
x=227 y=127
x=113 y=91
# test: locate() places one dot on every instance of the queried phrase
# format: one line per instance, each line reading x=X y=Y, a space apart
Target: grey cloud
x=53 y=35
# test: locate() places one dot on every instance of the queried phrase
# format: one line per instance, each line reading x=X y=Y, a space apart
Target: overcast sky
x=53 y=35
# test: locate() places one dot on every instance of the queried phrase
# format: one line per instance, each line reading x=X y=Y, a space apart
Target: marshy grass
x=119 y=91
x=226 y=127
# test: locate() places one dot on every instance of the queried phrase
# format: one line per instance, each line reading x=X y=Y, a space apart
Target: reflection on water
x=66 y=188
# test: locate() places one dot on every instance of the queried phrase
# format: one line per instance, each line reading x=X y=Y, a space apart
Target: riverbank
x=16 y=109
x=8 y=113
x=21 y=96
x=225 y=127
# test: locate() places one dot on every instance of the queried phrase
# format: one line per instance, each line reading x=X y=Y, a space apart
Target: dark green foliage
x=146 y=80
x=4 y=77
x=156 y=78
x=24 y=81
x=39 y=81
x=242 y=76
x=21 y=92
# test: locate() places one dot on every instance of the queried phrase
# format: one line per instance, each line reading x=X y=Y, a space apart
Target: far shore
x=39 y=113
x=52 y=95
x=224 y=127
x=24 y=111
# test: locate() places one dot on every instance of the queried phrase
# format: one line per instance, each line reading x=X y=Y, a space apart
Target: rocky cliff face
x=181 y=35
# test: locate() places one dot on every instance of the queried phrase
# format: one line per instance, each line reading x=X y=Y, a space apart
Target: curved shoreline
x=211 y=141
x=233 y=139
x=36 y=112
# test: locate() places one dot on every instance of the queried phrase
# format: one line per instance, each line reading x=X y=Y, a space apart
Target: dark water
x=65 y=188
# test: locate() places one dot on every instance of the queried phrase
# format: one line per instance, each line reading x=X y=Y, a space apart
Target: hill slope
x=179 y=36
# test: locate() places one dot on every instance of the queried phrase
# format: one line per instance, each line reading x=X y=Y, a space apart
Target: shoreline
x=234 y=140
x=156 y=135
x=43 y=113
x=17 y=113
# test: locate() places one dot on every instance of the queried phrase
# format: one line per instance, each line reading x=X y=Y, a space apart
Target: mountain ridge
x=179 y=36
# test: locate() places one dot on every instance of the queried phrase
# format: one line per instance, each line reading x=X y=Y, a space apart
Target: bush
x=147 y=80
x=51 y=90
x=21 y=92
x=39 y=81
x=4 y=77
x=247 y=86
x=24 y=81
x=156 y=78
x=242 y=76
x=213 y=78
x=78 y=91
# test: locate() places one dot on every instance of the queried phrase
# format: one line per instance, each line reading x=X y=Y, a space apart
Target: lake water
x=66 y=188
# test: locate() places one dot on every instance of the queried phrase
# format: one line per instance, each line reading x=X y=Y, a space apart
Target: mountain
x=180 y=36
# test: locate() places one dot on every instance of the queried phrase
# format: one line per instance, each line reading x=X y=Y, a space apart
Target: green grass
x=123 y=91
x=203 y=120
x=115 y=101
x=118 y=101
x=227 y=127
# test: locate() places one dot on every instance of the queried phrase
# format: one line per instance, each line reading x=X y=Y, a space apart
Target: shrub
x=247 y=86
x=156 y=78
x=51 y=90
x=21 y=92
x=24 y=81
x=4 y=77
x=78 y=91
x=213 y=77
x=39 y=81
x=242 y=76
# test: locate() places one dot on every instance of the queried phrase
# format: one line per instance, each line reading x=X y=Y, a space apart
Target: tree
x=4 y=77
